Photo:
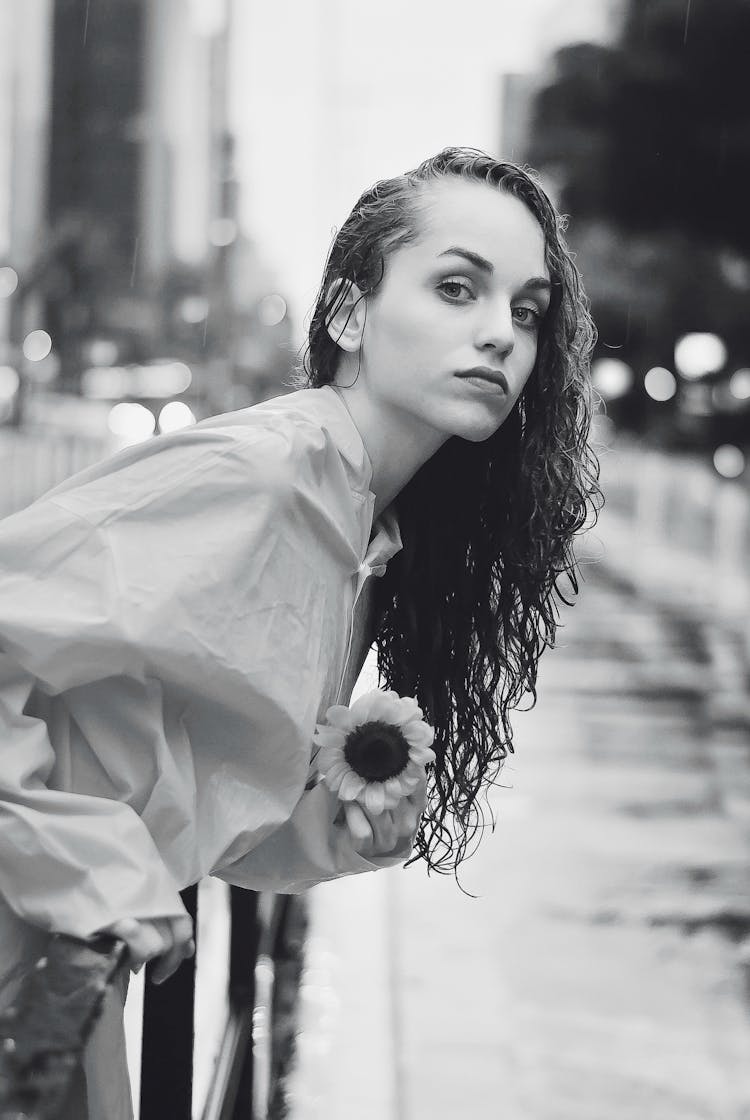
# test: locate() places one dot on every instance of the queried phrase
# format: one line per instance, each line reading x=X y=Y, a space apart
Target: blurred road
x=603 y=971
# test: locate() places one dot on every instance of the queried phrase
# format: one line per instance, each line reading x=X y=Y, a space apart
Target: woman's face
x=468 y=294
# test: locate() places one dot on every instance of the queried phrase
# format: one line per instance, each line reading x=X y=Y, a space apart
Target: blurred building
x=138 y=174
x=119 y=240
x=516 y=97
x=25 y=50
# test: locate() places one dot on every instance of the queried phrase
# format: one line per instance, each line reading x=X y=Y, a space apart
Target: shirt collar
x=385 y=542
x=346 y=435
x=328 y=406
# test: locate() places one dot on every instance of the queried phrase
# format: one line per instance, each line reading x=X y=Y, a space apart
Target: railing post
x=168 y=1029
x=243 y=955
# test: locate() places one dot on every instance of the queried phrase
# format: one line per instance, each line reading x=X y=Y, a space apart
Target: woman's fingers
x=385 y=831
x=380 y=833
x=408 y=816
x=142 y=939
x=180 y=942
x=170 y=939
x=358 y=823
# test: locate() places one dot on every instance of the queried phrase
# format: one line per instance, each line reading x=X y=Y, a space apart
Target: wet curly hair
x=466 y=609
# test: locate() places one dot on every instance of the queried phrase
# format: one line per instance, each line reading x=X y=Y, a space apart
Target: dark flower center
x=376 y=751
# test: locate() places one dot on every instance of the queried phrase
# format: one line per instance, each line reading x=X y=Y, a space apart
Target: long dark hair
x=469 y=605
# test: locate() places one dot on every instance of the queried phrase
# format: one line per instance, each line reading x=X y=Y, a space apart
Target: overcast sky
x=329 y=95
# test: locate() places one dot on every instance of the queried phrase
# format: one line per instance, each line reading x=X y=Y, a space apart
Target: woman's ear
x=347 y=323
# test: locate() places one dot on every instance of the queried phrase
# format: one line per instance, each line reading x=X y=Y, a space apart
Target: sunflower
x=375 y=751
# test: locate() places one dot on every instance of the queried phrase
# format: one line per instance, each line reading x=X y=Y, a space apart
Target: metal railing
x=42 y=1038
x=243 y=1076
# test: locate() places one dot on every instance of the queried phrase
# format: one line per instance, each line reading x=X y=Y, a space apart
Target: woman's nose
x=496 y=330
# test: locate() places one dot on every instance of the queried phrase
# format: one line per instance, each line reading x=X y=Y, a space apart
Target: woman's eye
x=527 y=316
x=457 y=291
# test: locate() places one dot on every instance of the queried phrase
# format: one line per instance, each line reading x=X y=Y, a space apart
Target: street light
x=660 y=384
x=611 y=377
x=699 y=353
x=8 y=281
x=729 y=460
x=36 y=346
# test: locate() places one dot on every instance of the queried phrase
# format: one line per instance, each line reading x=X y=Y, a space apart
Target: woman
x=174 y=621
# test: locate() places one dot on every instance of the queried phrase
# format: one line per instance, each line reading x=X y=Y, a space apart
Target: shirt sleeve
x=69 y=862
x=314 y=845
x=182 y=573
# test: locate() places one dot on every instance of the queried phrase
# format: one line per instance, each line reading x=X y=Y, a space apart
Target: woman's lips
x=482 y=376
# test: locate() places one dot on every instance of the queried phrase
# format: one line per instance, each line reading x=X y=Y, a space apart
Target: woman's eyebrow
x=535 y=284
x=467 y=254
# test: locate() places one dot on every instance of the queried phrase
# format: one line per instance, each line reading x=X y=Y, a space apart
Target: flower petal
x=375 y=705
x=418 y=734
x=386 y=707
x=329 y=737
x=327 y=765
x=351 y=786
x=330 y=756
x=359 y=712
x=340 y=716
x=374 y=797
x=339 y=764
x=411 y=777
x=393 y=792
x=409 y=704
x=421 y=755
x=333 y=778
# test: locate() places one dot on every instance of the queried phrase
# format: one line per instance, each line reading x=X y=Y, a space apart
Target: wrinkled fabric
x=173 y=622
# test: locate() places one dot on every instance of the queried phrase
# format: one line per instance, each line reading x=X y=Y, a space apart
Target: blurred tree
x=654 y=132
x=646 y=142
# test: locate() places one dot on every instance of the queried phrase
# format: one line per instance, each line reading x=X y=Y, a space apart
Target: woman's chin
x=477 y=430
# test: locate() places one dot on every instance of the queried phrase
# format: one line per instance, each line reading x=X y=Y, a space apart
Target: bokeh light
x=698 y=354
x=612 y=377
x=222 y=232
x=9 y=382
x=271 y=310
x=729 y=460
x=8 y=281
x=175 y=415
x=36 y=346
x=739 y=384
x=660 y=384
x=102 y=352
x=161 y=379
x=193 y=309
x=131 y=421
x=105 y=383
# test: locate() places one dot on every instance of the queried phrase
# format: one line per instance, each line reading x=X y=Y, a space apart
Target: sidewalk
x=603 y=972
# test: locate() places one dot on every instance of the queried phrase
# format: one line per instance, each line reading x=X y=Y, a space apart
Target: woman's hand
x=169 y=939
x=378 y=834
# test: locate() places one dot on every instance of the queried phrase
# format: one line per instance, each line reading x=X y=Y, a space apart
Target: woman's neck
x=395 y=448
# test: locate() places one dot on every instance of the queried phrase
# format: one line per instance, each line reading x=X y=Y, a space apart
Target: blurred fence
x=679 y=535
x=688 y=530
x=33 y=461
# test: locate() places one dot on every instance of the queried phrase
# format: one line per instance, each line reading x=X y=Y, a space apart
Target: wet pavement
x=603 y=971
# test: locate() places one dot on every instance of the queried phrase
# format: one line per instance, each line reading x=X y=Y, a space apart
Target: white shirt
x=173 y=623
